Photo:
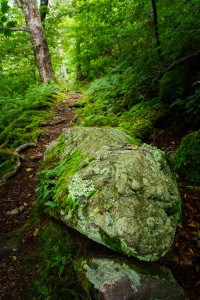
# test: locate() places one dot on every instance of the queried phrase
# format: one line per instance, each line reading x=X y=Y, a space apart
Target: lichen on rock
x=114 y=279
x=117 y=194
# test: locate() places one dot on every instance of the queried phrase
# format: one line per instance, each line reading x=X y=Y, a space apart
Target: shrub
x=174 y=85
x=187 y=158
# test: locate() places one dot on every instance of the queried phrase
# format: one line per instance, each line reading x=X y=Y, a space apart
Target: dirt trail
x=17 y=198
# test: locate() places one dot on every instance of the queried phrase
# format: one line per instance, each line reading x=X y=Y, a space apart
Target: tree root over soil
x=17 y=160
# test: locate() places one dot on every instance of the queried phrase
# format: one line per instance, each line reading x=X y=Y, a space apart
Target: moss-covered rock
x=113 y=279
x=118 y=194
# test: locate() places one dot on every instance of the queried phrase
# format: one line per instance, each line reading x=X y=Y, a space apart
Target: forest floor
x=17 y=201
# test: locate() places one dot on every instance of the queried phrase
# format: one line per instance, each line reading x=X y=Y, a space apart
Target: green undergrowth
x=7 y=163
x=138 y=120
x=187 y=158
x=55 y=277
x=54 y=178
x=20 y=119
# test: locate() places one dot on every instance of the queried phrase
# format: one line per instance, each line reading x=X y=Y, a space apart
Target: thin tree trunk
x=63 y=70
x=39 y=43
x=79 y=75
x=155 y=18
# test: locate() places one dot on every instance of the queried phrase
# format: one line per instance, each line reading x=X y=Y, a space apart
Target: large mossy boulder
x=114 y=279
x=118 y=194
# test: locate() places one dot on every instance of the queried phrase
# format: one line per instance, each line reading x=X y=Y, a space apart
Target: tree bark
x=155 y=17
x=39 y=43
x=79 y=74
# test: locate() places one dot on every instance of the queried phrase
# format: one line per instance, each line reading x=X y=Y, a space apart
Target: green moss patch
x=21 y=118
x=137 y=121
x=55 y=277
x=54 y=180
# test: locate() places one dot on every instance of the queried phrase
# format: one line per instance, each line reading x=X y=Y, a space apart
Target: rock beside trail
x=116 y=193
x=108 y=279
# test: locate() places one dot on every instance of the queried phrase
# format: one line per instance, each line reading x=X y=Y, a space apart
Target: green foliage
x=117 y=51
x=7 y=163
x=55 y=276
x=54 y=178
x=173 y=85
x=189 y=107
x=187 y=158
x=138 y=121
x=21 y=118
x=5 y=23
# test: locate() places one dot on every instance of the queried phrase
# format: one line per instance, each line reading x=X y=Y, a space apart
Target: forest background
x=137 y=63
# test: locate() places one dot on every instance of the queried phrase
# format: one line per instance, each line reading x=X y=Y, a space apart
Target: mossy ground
x=137 y=121
x=55 y=277
x=21 y=118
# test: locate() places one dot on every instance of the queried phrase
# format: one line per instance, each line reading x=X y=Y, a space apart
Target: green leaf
x=7 y=32
x=11 y=24
x=4 y=6
x=4 y=19
x=50 y=204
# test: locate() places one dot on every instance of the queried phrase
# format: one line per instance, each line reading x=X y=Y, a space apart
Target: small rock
x=15 y=211
x=111 y=279
x=7 y=250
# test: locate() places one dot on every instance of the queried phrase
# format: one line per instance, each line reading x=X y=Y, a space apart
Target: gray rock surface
x=108 y=279
x=116 y=193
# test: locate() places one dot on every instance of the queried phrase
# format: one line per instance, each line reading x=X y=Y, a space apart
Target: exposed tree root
x=54 y=123
x=17 y=160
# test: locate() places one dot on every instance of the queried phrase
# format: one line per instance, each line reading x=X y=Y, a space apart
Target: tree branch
x=175 y=63
x=15 y=28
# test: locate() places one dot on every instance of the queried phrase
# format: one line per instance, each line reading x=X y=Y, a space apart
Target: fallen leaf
x=14 y=258
x=191 y=251
x=193 y=224
x=29 y=195
x=31 y=176
x=25 y=204
x=133 y=147
x=188 y=206
x=29 y=169
x=35 y=233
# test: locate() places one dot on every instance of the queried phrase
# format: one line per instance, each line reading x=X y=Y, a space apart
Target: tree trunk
x=155 y=17
x=40 y=46
x=79 y=75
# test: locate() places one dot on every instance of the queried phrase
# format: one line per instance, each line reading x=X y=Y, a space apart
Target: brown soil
x=19 y=191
